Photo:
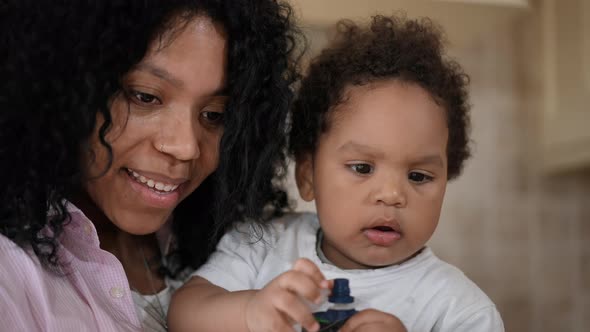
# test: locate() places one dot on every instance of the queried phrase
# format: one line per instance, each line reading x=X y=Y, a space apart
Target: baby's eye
x=418 y=177
x=361 y=168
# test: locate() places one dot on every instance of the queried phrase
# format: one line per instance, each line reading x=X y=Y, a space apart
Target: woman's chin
x=142 y=224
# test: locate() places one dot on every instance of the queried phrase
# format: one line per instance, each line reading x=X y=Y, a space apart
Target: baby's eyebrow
x=359 y=147
x=433 y=159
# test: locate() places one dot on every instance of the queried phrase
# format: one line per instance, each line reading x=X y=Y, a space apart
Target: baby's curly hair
x=394 y=47
x=62 y=61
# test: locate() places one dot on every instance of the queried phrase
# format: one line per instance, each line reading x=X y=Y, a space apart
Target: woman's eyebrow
x=169 y=77
x=161 y=73
x=221 y=92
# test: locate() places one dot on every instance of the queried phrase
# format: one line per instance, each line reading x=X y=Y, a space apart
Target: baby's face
x=378 y=175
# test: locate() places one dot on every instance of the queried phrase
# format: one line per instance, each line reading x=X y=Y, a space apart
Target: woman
x=132 y=133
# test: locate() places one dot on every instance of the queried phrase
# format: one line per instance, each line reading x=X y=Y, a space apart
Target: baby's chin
x=384 y=261
x=373 y=265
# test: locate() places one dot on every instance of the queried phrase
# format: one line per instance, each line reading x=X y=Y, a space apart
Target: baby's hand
x=279 y=305
x=371 y=320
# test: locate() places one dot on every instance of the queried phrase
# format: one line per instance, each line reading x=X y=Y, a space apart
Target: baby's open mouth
x=382 y=235
x=384 y=229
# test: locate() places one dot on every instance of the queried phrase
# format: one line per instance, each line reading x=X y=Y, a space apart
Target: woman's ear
x=304 y=176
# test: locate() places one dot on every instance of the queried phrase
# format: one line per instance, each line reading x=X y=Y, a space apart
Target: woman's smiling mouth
x=155 y=192
x=151 y=183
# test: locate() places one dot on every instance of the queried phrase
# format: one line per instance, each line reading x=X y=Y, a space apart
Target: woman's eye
x=362 y=169
x=212 y=113
x=419 y=177
x=145 y=98
x=213 y=117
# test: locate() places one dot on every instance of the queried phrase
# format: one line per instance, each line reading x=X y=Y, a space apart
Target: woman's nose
x=391 y=192
x=180 y=136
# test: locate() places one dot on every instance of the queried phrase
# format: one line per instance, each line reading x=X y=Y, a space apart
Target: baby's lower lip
x=380 y=237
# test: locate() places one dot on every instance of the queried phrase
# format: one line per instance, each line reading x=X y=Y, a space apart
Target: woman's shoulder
x=9 y=249
x=17 y=263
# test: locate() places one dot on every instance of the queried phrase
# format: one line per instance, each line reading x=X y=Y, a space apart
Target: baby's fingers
x=291 y=306
x=307 y=267
x=300 y=284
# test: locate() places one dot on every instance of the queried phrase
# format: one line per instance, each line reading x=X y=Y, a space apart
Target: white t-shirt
x=152 y=309
x=425 y=293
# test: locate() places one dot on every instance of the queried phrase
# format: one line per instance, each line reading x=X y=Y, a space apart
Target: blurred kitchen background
x=517 y=221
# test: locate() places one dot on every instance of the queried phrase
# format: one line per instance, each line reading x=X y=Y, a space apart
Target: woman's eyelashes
x=213 y=118
x=143 y=99
x=213 y=112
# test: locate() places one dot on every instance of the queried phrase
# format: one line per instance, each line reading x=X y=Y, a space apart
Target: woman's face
x=166 y=128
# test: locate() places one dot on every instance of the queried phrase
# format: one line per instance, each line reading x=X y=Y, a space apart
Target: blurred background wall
x=517 y=221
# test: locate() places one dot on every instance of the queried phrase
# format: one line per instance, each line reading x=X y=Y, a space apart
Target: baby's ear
x=304 y=176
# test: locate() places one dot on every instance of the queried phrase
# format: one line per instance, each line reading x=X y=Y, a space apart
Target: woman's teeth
x=153 y=184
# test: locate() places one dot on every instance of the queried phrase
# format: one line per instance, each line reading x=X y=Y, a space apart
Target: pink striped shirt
x=93 y=296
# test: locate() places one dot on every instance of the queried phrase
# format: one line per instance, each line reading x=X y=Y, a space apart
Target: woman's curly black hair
x=63 y=60
x=394 y=47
